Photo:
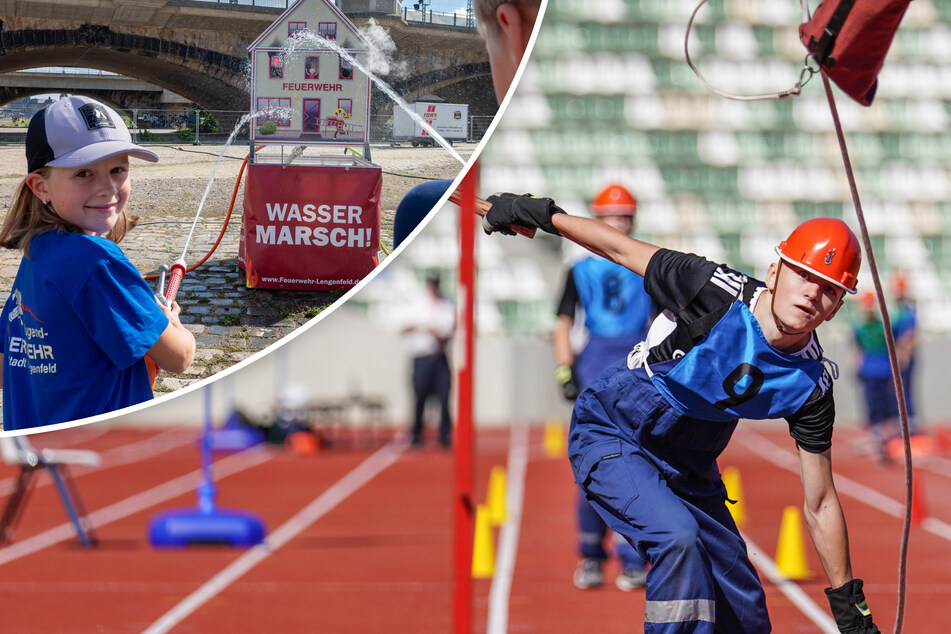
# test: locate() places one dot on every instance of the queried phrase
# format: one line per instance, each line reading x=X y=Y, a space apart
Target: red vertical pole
x=463 y=511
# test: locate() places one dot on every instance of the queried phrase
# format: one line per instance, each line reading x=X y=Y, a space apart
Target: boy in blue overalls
x=615 y=309
x=646 y=434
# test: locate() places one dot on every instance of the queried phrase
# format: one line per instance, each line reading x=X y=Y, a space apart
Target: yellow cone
x=495 y=498
x=791 y=551
x=734 y=491
x=483 y=550
x=554 y=441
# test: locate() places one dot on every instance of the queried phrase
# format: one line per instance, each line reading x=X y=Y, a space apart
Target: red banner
x=308 y=227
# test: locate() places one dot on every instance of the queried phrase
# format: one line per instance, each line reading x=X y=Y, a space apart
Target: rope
x=892 y=357
x=807 y=72
x=224 y=226
x=238 y=158
x=804 y=75
x=234 y=195
x=181 y=149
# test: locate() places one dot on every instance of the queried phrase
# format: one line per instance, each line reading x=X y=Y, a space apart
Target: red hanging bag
x=850 y=39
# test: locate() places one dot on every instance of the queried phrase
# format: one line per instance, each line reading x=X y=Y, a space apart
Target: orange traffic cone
x=791 y=551
x=919 y=510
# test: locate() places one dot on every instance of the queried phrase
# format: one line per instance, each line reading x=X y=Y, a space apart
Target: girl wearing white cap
x=79 y=319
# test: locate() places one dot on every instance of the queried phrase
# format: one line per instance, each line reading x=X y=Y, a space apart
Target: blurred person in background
x=611 y=302
x=428 y=328
x=874 y=372
x=905 y=329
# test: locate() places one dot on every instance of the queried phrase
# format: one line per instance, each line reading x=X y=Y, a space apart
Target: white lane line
x=846 y=486
x=337 y=493
x=935 y=464
x=793 y=592
x=508 y=534
x=134 y=504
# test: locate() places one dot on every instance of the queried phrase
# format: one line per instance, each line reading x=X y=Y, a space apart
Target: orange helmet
x=614 y=200
x=825 y=247
x=900 y=284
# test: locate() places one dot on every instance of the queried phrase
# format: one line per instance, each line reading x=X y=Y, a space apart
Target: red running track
x=360 y=540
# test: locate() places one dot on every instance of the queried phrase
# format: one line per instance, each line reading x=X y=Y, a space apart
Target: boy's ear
x=37 y=185
x=771 y=277
x=512 y=28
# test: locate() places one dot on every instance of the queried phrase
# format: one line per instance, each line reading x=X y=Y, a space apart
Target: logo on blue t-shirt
x=29 y=350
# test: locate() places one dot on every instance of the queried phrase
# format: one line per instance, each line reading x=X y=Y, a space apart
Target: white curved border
x=155 y=402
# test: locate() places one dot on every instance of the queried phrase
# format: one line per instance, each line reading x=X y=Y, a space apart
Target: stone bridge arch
x=198 y=50
x=212 y=79
x=121 y=100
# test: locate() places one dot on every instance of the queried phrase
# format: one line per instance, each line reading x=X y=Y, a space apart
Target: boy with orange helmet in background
x=646 y=434
x=611 y=302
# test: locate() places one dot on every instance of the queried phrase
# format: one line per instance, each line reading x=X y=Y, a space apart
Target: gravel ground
x=230 y=321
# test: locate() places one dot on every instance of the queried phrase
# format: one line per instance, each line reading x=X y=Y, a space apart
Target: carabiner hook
x=160 y=295
x=807 y=68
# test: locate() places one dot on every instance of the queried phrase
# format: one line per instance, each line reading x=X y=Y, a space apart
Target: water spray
x=166 y=293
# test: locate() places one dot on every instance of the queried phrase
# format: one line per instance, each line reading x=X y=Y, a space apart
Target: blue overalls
x=643 y=446
x=616 y=310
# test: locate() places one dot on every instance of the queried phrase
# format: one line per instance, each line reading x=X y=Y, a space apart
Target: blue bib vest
x=613 y=297
x=734 y=373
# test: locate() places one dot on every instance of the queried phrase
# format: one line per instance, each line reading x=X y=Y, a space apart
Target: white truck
x=450 y=120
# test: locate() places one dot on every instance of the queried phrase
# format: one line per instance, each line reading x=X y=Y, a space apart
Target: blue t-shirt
x=613 y=297
x=905 y=320
x=77 y=325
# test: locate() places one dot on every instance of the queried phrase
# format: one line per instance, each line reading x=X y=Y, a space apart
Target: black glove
x=849 y=609
x=566 y=380
x=525 y=210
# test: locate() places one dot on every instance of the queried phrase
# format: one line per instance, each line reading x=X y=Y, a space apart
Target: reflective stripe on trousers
x=682 y=611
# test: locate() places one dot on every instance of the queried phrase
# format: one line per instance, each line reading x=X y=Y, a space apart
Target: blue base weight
x=192 y=527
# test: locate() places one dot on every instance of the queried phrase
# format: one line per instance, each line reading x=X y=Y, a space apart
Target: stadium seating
x=608 y=95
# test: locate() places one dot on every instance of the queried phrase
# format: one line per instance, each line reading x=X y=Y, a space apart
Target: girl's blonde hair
x=28 y=216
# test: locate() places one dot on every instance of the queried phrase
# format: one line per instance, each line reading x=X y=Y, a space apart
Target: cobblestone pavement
x=230 y=322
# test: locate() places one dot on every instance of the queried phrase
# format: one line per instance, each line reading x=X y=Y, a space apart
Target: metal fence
x=267 y=4
x=444 y=19
x=191 y=126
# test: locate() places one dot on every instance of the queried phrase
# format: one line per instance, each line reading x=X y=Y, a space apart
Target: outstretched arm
x=542 y=213
x=826 y=524
x=606 y=241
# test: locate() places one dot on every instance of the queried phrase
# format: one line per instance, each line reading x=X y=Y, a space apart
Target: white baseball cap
x=78 y=131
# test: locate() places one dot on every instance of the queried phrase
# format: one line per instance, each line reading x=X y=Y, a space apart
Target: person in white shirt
x=428 y=329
